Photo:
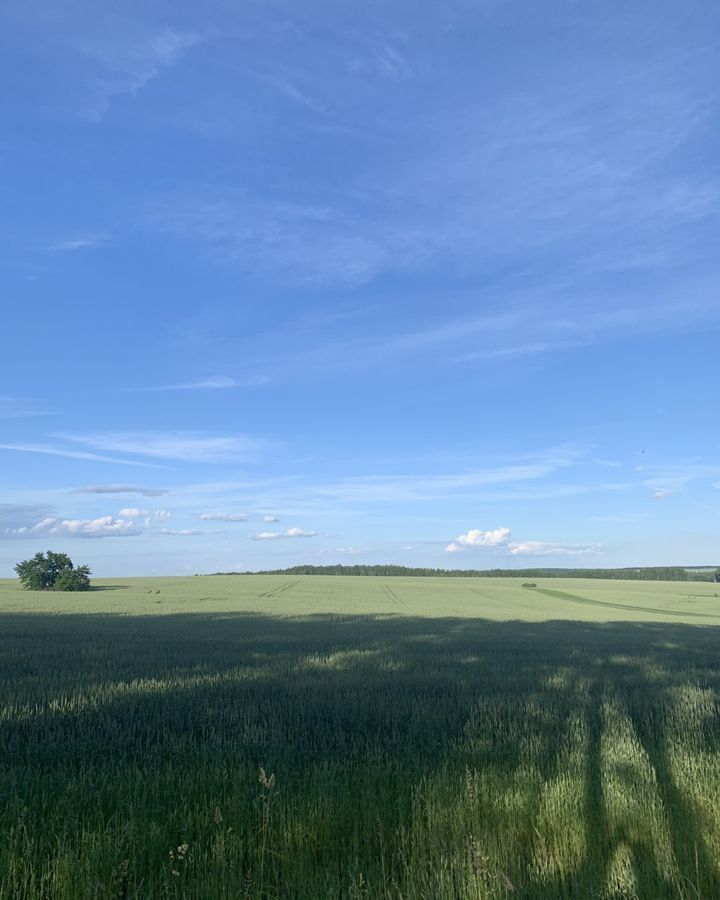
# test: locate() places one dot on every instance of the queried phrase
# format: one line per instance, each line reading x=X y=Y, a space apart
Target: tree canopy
x=52 y=572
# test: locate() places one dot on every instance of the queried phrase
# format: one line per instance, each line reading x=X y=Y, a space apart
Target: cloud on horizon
x=477 y=538
x=290 y=533
x=223 y=517
x=184 y=532
x=542 y=548
x=499 y=539
x=104 y=526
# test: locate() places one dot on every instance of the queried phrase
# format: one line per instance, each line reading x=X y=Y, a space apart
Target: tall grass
x=244 y=756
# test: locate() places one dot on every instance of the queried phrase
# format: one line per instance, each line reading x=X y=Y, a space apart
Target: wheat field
x=308 y=737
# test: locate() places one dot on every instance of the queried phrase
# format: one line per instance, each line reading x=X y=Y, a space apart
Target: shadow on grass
x=108 y=587
x=345 y=695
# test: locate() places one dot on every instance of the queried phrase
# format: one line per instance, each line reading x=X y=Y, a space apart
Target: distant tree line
x=643 y=573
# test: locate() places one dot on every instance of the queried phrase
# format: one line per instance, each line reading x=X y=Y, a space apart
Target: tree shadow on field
x=109 y=587
x=329 y=697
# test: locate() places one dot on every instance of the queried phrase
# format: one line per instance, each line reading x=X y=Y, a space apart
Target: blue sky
x=434 y=284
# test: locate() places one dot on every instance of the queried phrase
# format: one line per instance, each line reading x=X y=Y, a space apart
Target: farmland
x=312 y=737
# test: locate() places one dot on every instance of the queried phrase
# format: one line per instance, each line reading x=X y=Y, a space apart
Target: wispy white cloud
x=132 y=512
x=665 y=481
x=223 y=517
x=425 y=487
x=87 y=242
x=290 y=90
x=543 y=548
x=183 y=532
x=385 y=60
x=21 y=408
x=270 y=519
x=300 y=240
x=181 y=446
x=290 y=533
x=121 y=489
x=660 y=492
x=215 y=382
x=50 y=450
x=127 y=62
x=463 y=197
x=517 y=351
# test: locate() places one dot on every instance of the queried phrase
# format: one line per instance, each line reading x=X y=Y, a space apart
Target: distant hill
x=642 y=573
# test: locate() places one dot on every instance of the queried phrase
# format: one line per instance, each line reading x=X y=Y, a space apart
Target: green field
x=429 y=738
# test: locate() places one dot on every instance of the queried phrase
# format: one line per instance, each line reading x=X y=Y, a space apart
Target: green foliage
x=52 y=572
x=74 y=579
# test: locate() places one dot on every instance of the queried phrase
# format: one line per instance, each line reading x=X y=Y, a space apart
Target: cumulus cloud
x=498 y=538
x=290 y=533
x=542 y=548
x=132 y=512
x=121 y=489
x=162 y=515
x=17 y=518
x=270 y=519
x=104 y=526
x=43 y=525
x=475 y=537
x=223 y=517
x=299 y=532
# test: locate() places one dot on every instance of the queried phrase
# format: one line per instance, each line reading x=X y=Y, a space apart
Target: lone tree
x=52 y=572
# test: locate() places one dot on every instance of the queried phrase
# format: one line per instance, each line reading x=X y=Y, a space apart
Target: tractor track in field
x=389 y=593
x=480 y=594
x=280 y=589
x=586 y=601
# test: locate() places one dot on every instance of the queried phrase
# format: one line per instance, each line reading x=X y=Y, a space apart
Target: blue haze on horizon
x=434 y=284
